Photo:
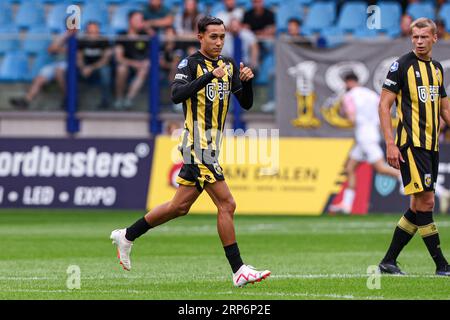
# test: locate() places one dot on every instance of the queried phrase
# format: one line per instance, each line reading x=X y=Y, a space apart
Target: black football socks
x=137 y=229
x=405 y=230
x=430 y=235
x=234 y=256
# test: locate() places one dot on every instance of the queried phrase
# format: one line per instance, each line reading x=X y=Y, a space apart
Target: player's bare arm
x=393 y=154
x=445 y=110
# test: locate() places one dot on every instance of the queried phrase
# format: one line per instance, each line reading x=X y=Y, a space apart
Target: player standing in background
x=203 y=83
x=361 y=107
x=416 y=82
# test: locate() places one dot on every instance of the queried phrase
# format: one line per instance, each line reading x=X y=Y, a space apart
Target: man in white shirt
x=361 y=107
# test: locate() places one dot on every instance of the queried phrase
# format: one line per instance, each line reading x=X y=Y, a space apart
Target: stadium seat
x=216 y=8
x=266 y=69
x=418 y=9
x=5 y=14
x=9 y=38
x=115 y=1
x=39 y=61
x=142 y=2
x=353 y=16
x=119 y=20
x=390 y=17
x=97 y=12
x=286 y=11
x=321 y=15
x=365 y=33
x=37 y=40
x=30 y=14
x=14 y=66
x=56 y=18
x=444 y=14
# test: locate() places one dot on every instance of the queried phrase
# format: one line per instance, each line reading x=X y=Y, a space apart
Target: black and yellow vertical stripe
x=419 y=103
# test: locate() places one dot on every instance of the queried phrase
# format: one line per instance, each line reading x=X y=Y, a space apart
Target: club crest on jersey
x=229 y=70
x=394 y=66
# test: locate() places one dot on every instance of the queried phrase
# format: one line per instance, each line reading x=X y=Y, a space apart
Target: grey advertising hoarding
x=75 y=173
x=309 y=81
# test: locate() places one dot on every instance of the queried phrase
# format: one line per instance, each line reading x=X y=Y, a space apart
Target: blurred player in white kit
x=360 y=105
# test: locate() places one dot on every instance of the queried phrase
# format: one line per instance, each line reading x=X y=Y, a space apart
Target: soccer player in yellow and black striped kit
x=416 y=83
x=204 y=83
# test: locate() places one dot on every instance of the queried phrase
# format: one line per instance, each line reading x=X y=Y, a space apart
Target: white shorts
x=370 y=152
x=48 y=71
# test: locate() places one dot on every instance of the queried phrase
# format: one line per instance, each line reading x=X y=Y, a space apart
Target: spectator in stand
x=93 y=59
x=250 y=48
x=405 y=26
x=260 y=20
x=55 y=70
x=157 y=16
x=131 y=53
x=231 y=11
x=170 y=55
x=186 y=20
x=442 y=31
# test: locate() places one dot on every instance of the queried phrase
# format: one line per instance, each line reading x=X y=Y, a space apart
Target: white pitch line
x=306 y=295
x=163 y=278
x=268 y=294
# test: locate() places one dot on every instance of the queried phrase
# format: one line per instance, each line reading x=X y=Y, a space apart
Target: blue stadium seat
x=142 y=2
x=56 y=18
x=14 y=66
x=37 y=40
x=418 y=10
x=5 y=14
x=115 y=1
x=444 y=14
x=30 y=14
x=365 y=33
x=9 y=38
x=275 y=3
x=266 y=69
x=94 y=11
x=119 y=20
x=391 y=13
x=39 y=61
x=321 y=15
x=216 y=8
x=286 y=11
x=353 y=16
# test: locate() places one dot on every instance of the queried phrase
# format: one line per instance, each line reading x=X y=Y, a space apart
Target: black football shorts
x=420 y=169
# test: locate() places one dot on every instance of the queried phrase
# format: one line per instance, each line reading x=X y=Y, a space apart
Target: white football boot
x=123 y=247
x=248 y=274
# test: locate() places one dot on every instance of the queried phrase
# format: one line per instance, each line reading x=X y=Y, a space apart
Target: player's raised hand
x=245 y=73
x=219 y=72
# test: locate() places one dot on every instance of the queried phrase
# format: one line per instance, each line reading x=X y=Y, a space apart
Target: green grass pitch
x=310 y=258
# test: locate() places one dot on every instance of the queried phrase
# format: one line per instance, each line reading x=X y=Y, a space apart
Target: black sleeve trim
x=181 y=92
